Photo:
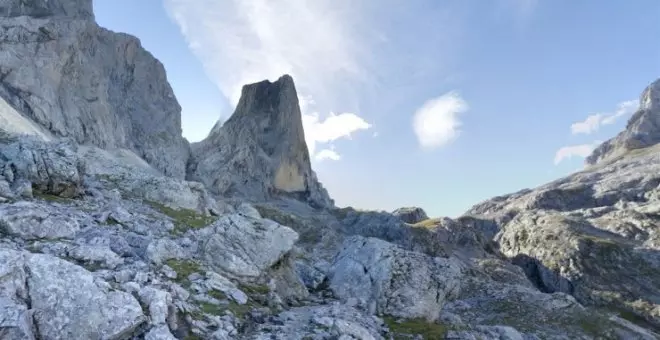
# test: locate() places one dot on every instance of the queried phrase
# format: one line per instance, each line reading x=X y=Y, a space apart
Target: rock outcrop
x=63 y=75
x=643 y=129
x=594 y=234
x=260 y=151
x=411 y=215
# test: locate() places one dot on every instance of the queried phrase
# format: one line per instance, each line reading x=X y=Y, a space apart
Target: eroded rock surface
x=75 y=79
x=260 y=151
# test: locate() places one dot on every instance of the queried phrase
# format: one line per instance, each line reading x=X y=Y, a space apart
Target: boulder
x=411 y=215
x=386 y=279
x=66 y=301
x=244 y=246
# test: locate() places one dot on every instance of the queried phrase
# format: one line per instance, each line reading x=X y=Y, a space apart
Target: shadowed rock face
x=260 y=152
x=80 y=9
x=70 y=77
x=643 y=128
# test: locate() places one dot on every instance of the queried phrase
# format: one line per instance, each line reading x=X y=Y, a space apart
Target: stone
x=68 y=302
x=161 y=250
x=35 y=221
x=95 y=256
x=260 y=151
x=387 y=279
x=243 y=246
x=411 y=215
x=309 y=275
x=160 y=332
x=218 y=282
x=48 y=168
x=67 y=75
x=321 y=322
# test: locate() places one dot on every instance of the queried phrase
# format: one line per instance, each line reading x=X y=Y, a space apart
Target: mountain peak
x=260 y=151
x=642 y=130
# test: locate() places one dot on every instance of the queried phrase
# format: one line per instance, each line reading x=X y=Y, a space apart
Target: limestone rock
x=244 y=246
x=410 y=215
x=62 y=71
x=642 y=130
x=79 y=9
x=321 y=322
x=68 y=302
x=32 y=221
x=260 y=151
x=389 y=280
x=48 y=168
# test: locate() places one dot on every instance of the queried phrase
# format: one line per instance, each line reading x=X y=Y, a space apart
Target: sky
x=439 y=104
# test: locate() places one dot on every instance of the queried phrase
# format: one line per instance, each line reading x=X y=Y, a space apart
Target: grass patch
x=183 y=269
x=254 y=289
x=183 y=219
x=427 y=223
x=216 y=294
x=402 y=329
x=51 y=198
x=212 y=309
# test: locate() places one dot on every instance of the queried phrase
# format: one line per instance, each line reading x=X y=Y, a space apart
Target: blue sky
x=438 y=104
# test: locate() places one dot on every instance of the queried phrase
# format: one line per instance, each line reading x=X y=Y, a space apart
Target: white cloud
x=326 y=154
x=568 y=152
x=334 y=127
x=593 y=122
x=246 y=41
x=436 y=123
x=317 y=42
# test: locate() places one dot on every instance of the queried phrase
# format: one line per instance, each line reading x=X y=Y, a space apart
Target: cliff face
x=643 y=128
x=74 y=79
x=260 y=151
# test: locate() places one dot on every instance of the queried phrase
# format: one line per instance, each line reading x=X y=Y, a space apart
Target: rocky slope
x=594 y=234
x=99 y=242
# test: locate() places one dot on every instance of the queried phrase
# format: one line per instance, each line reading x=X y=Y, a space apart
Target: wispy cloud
x=581 y=150
x=317 y=42
x=332 y=128
x=593 y=122
x=327 y=154
x=437 y=122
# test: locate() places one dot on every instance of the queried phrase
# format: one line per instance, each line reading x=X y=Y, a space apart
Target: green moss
x=216 y=294
x=183 y=269
x=51 y=198
x=183 y=219
x=212 y=309
x=250 y=289
x=402 y=329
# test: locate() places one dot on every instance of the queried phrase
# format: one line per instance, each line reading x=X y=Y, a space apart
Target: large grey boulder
x=66 y=74
x=65 y=300
x=643 y=129
x=386 y=279
x=411 y=215
x=35 y=221
x=260 y=151
x=28 y=164
x=244 y=246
